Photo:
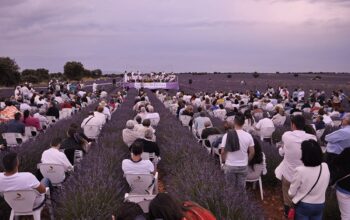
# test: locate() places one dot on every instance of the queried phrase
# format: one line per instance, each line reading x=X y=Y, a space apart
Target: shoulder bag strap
x=314 y=184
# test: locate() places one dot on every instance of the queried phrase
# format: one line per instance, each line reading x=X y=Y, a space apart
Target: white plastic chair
x=51 y=119
x=307 y=110
x=31 y=131
x=142 y=184
x=337 y=123
x=185 y=120
x=154 y=121
x=78 y=156
x=54 y=172
x=12 y=139
x=92 y=131
x=230 y=118
x=142 y=200
x=297 y=113
x=65 y=113
x=22 y=203
x=260 y=186
x=220 y=114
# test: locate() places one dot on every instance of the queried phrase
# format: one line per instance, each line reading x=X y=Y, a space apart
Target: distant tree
x=229 y=76
x=74 y=70
x=30 y=75
x=256 y=74
x=58 y=75
x=43 y=74
x=277 y=72
x=96 y=73
x=295 y=74
x=9 y=72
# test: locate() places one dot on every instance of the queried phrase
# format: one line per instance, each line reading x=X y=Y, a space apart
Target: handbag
x=291 y=212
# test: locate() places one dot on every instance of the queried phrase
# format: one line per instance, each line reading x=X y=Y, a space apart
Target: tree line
x=11 y=75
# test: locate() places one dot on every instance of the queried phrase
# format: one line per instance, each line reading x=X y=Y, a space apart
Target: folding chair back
x=30 y=131
x=92 y=131
x=141 y=184
x=148 y=156
x=185 y=120
x=51 y=119
x=54 y=172
x=10 y=139
x=21 y=201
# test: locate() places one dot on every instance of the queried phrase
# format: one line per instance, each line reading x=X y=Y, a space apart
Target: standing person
x=237 y=149
x=291 y=152
x=309 y=183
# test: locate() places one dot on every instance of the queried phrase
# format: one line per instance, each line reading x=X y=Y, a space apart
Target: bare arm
x=251 y=152
x=41 y=188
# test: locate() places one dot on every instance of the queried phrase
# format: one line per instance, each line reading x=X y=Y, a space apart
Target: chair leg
x=12 y=216
x=261 y=189
x=37 y=215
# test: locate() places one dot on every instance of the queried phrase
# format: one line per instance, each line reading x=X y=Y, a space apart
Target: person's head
x=221 y=106
x=149 y=134
x=130 y=124
x=258 y=157
x=281 y=111
x=150 y=108
x=239 y=119
x=138 y=119
x=10 y=162
x=346 y=120
x=18 y=116
x=199 y=109
x=207 y=124
x=137 y=148
x=129 y=211
x=8 y=103
x=321 y=111
x=71 y=132
x=56 y=142
x=309 y=129
x=298 y=122
x=163 y=206
x=202 y=114
x=26 y=114
x=143 y=110
x=100 y=109
x=146 y=122
x=311 y=153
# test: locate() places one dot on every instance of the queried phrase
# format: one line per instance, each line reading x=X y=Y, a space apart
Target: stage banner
x=153 y=85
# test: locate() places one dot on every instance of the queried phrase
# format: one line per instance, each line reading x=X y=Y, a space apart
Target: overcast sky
x=178 y=35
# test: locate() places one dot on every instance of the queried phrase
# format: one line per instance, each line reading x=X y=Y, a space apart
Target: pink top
x=32 y=122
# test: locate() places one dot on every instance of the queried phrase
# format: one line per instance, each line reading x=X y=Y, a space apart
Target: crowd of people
x=61 y=152
x=150 y=77
x=306 y=171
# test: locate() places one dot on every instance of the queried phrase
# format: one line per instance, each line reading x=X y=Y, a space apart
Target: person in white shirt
x=24 y=106
x=220 y=113
x=280 y=118
x=310 y=182
x=143 y=113
x=129 y=133
x=269 y=106
x=54 y=156
x=103 y=94
x=136 y=165
x=42 y=119
x=153 y=116
x=98 y=114
x=237 y=148
x=106 y=110
x=94 y=87
x=290 y=149
x=12 y=180
x=265 y=128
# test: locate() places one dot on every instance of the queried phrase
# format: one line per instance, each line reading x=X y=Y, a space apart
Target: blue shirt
x=338 y=140
x=14 y=126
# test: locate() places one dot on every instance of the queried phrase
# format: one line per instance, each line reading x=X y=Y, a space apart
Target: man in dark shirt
x=207 y=131
x=149 y=146
x=15 y=125
x=53 y=111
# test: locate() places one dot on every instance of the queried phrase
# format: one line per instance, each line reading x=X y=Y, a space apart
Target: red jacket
x=32 y=122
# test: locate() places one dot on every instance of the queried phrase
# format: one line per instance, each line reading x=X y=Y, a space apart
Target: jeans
x=236 y=176
x=307 y=211
x=46 y=182
x=344 y=204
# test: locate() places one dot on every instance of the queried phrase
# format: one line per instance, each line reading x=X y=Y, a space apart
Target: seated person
x=220 y=112
x=15 y=125
x=91 y=120
x=207 y=131
x=146 y=124
x=72 y=143
x=30 y=121
x=280 y=118
x=257 y=165
x=151 y=114
x=163 y=206
x=319 y=123
x=199 y=122
x=54 y=156
x=149 y=145
x=99 y=115
x=135 y=165
x=265 y=127
x=143 y=113
x=8 y=113
x=42 y=119
x=24 y=106
x=12 y=180
x=130 y=134
x=106 y=110
x=138 y=125
x=53 y=110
